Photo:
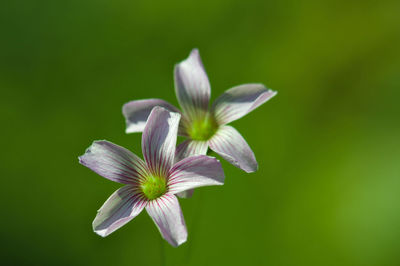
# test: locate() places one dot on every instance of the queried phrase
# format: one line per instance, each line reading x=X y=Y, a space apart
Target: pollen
x=154 y=186
x=203 y=128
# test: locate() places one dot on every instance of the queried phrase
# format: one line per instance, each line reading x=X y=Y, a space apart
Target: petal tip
x=81 y=159
x=123 y=109
x=102 y=233
x=194 y=52
x=180 y=242
x=272 y=92
x=129 y=129
x=249 y=168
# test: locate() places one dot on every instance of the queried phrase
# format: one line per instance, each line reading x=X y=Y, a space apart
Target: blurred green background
x=328 y=146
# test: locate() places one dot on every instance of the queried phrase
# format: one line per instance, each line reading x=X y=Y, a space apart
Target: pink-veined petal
x=121 y=207
x=159 y=140
x=113 y=162
x=186 y=149
x=239 y=101
x=192 y=87
x=186 y=194
x=195 y=171
x=228 y=143
x=167 y=215
x=190 y=147
x=183 y=126
x=137 y=112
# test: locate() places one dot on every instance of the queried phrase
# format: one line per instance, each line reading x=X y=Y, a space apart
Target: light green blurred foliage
x=328 y=146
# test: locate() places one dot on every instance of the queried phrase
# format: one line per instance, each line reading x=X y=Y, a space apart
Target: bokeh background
x=328 y=187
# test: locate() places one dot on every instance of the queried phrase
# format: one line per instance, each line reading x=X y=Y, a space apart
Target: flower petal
x=137 y=112
x=239 y=101
x=113 y=162
x=186 y=194
x=195 y=171
x=186 y=149
x=121 y=207
x=228 y=143
x=192 y=87
x=189 y=148
x=159 y=140
x=167 y=215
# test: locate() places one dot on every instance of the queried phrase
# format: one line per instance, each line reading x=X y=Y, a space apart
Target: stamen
x=203 y=128
x=154 y=186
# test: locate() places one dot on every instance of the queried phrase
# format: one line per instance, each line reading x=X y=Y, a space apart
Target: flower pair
x=153 y=183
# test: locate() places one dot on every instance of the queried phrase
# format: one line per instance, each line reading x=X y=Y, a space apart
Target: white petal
x=113 y=162
x=239 y=101
x=121 y=207
x=191 y=85
x=159 y=140
x=137 y=112
x=189 y=148
x=195 y=171
x=186 y=194
x=168 y=217
x=186 y=149
x=228 y=143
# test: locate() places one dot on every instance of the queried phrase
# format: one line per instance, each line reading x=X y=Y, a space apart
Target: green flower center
x=203 y=128
x=154 y=186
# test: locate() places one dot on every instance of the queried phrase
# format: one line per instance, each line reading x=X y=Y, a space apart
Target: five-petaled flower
x=151 y=183
x=204 y=125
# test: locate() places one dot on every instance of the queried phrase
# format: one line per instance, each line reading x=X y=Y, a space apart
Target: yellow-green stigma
x=203 y=128
x=154 y=187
